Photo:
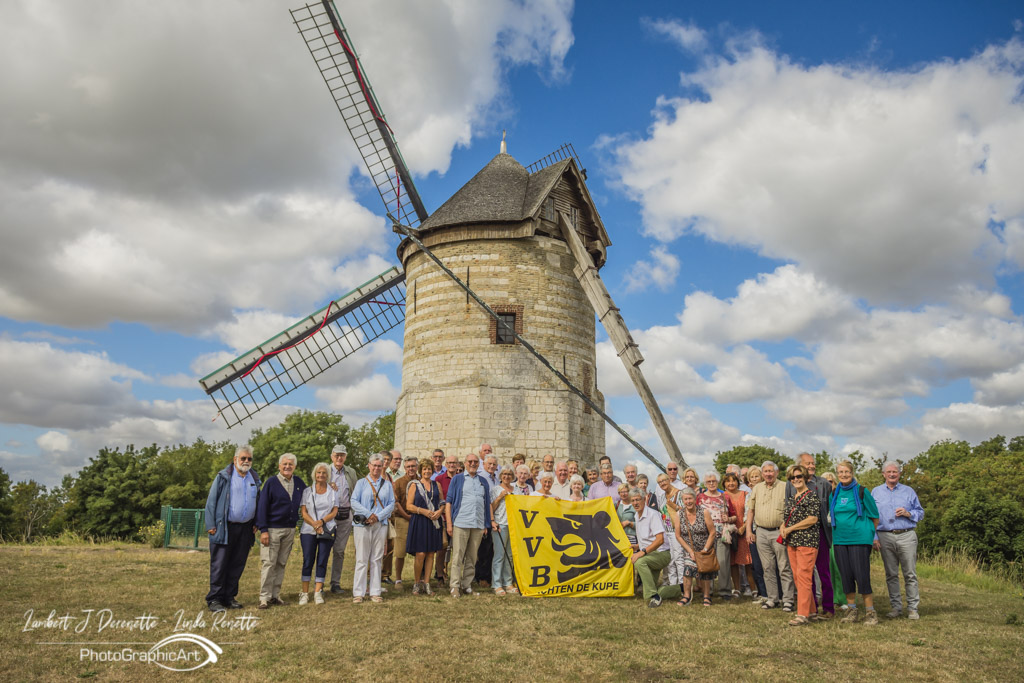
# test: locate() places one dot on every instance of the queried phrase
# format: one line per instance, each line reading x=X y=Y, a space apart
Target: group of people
x=778 y=542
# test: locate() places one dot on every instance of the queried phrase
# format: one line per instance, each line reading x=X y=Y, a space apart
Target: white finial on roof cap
x=503 y=148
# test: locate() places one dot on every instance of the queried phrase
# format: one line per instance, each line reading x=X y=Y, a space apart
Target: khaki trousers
x=773 y=555
x=465 y=545
x=273 y=558
x=401 y=534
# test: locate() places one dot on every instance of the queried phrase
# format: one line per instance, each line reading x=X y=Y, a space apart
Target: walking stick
x=508 y=554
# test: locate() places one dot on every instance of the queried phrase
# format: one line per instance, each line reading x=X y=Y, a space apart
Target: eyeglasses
x=672 y=469
x=241 y=459
x=797 y=476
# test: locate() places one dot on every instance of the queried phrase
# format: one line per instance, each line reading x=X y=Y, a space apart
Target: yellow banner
x=565 y=548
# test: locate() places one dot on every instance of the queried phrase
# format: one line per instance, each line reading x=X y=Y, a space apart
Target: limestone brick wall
x=459 y=389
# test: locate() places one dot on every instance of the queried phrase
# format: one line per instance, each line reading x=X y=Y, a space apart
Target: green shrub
x=153 y=535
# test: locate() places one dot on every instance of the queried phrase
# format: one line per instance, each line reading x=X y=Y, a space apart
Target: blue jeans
x=314 y=550
x=755 y=560
x=501 y=564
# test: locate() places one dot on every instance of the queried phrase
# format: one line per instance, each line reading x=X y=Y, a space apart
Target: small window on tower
x=511 y=317
x=549 y=209
x=574 y=217
x=503 y=334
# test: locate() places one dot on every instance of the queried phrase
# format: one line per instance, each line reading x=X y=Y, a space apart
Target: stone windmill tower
x=463 y=379
x=498 y=289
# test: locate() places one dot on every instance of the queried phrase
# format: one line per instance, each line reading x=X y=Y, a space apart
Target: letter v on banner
x=528 y=517
x=563 y=548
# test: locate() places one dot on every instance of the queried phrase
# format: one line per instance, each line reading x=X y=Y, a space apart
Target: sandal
x=684 y=601
x=799 y=620
x=707 y=601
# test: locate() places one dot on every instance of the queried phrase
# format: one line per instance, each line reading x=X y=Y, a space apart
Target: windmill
x=498 y=290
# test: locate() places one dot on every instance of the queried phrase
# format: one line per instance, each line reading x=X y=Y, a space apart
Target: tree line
x=120 y=491
x=973 y=496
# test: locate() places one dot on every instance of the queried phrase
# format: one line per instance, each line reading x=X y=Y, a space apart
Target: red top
x=443 y=481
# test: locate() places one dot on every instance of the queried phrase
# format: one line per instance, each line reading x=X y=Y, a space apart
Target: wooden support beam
x=627 y=350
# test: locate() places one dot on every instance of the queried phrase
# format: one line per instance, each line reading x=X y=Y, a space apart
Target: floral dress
x=699 y=532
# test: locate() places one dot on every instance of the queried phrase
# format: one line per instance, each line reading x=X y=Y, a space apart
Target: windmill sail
x=291 y=358
x=331 y=48
x=322 y=339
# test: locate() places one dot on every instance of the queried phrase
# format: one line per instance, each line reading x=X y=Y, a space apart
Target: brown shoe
x=277 y=601
x=263 y=605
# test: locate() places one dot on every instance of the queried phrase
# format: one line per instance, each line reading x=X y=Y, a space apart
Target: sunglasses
x=245 y=460
x=797 y=476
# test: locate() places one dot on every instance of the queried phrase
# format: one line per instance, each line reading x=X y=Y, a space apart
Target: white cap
x=340 y=448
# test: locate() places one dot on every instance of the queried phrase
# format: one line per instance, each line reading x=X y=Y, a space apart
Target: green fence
x=183 y=528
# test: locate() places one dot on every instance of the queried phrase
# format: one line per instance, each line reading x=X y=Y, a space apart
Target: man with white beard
x=230 y=522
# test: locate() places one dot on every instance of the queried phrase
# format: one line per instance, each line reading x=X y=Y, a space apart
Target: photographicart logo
x=178 y=652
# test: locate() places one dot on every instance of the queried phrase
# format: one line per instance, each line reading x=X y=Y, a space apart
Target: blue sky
x=816 y=216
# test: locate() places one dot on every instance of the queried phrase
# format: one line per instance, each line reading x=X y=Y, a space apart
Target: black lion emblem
x=590 y=536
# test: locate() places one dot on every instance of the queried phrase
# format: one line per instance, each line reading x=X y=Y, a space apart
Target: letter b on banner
x=541 y=576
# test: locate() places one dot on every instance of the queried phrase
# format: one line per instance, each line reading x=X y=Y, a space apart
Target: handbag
x=780 y=540
x=707 y=562
x=323 y=534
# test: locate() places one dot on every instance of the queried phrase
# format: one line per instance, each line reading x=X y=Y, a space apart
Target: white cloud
x=367 y=394
x=1001 y=388
x=52 y=388
x=54 y=441
x=219 y=184
x=893 y=353
x=660 y=271
x=689 y=36
x=882 y=183
x=787 y=303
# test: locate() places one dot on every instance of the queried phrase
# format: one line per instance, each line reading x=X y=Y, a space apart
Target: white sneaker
x=318 y=597
x=303 y=598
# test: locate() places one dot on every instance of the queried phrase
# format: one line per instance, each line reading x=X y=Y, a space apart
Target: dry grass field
x=963 y=633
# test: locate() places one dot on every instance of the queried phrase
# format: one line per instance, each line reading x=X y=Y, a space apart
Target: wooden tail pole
x=625 y=347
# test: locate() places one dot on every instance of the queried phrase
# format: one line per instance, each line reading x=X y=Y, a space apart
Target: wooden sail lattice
x=319 y=341
x=331 y=47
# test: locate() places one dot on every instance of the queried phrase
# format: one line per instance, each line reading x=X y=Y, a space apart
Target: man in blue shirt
x=899 y=512
x=468 y=514
x=230 y=516
x=373 y=501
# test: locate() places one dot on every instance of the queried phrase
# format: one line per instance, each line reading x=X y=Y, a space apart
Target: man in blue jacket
x=277 y=513
x=230 y=517
x=468 y=512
